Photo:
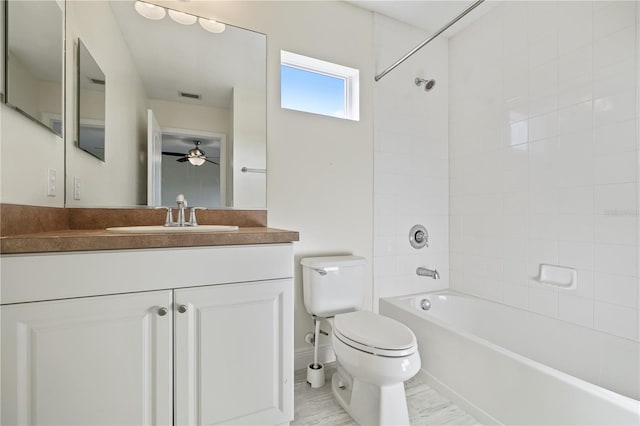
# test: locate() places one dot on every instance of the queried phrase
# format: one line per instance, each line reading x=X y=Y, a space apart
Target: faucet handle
x=168 y=221
x=192 y=215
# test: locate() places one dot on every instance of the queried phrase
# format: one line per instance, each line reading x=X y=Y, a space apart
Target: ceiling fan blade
x=175 y=154
x=212 y=162
x=182 y=160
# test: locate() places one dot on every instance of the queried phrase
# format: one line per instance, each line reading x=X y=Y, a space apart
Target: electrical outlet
x=51 y=183
x=76 y=188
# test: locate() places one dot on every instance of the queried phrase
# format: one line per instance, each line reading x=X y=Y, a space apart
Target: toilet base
x=369 y=404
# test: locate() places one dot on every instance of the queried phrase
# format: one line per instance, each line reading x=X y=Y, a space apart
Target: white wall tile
x=615 y=78
x=616 y=168
x=575 y=118
x=575 y=67
x=543 y=301
x=616 y=199
x=615 y=108
x=616 y=229
x=615 y=138
x=576 y=28
x=616 y=289
x=577 y=200
x=575 y=255
x=613 y=48
x=577 y=310
x=614 y=17
x=576 y=227
x=616 y=259
x=566 y=181
x=618 y=320
x=411 y=173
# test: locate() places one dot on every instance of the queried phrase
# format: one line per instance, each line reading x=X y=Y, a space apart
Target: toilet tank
x=333 y=285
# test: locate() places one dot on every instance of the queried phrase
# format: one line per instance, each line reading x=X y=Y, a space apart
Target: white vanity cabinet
x=211 y=344
x=95 y=360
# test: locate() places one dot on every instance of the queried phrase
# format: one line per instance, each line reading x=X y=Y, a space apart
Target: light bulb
x=212 y=26
x=182 y=18
x=150 y=11
x=196 y=161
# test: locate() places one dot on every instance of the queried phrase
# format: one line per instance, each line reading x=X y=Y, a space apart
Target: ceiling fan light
x=182 y=18
x=212 y=26
x=196 y=161
x=150 y=11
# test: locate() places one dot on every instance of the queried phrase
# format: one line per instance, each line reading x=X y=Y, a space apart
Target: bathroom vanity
x=175 y=335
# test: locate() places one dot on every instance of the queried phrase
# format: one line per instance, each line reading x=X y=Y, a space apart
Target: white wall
x=121 y=179
x=192 y=117
x=249 y=148
x=27 y=151
x=320 y=180
x=544 y=159
x=411 y=169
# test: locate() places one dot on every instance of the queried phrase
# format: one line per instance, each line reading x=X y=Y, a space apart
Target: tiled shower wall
x=411 y=168
x=544 y=159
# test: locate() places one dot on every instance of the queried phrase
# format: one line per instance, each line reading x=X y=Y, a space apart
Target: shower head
x=428 y=84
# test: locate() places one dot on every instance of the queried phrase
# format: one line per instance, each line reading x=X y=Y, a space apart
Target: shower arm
x=427 y=41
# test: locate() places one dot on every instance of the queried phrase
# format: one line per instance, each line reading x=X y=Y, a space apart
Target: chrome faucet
x=182 y=205
x=424 y=272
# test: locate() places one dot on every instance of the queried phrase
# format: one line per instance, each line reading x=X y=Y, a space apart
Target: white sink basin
x=171 y=229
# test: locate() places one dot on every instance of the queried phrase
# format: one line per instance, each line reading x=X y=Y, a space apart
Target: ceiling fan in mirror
x=194 y=156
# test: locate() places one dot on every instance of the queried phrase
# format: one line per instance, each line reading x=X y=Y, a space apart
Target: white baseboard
x=304 y=357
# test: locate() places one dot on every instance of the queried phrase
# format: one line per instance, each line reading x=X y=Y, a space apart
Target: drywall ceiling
x=428 y=15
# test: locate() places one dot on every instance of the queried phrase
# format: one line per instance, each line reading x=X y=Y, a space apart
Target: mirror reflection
x=91 y=88
x=34 y=52
x=195 y=95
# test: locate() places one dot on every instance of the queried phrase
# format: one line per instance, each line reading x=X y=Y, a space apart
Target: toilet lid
x=367 y=330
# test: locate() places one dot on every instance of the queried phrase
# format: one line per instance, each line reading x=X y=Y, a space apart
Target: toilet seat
x=374 y=334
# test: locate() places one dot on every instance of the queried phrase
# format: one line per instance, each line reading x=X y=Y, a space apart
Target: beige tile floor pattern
x=426 y=406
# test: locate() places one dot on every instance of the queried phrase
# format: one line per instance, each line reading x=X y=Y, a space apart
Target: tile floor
x=426 y=406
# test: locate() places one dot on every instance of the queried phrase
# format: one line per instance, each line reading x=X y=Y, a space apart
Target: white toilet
x=375 y=354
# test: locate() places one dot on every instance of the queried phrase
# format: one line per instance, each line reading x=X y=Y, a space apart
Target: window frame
x=351 y=77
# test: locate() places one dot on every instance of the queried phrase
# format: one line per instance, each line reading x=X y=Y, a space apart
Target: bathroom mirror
x=174 y=83
x=91 y=84
x=33 y=60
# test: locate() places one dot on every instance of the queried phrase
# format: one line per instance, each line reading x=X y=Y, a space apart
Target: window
x=319 y=87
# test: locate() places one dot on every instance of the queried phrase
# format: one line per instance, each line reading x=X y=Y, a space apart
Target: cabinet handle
x=182 y=309
x=162 y=311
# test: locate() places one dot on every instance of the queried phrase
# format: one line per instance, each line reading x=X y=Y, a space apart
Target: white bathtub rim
x=469 y=295
x=623 y=401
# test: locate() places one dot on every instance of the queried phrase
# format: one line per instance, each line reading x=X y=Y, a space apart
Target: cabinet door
x=234 y=354
x=89 y=361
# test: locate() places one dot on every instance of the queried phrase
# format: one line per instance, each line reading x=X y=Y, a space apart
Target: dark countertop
x=88 y=240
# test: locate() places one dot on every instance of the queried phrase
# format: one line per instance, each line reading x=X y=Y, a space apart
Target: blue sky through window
x=311 y=92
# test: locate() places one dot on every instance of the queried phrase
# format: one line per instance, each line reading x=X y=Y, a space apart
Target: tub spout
x=424 y=272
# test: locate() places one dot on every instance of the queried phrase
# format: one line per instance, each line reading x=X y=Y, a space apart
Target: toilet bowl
x=375 y=356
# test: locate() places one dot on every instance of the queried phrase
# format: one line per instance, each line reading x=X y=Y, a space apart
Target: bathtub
x=509 y=366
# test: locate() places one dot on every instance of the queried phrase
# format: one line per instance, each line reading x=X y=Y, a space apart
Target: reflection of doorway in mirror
x=201 y=185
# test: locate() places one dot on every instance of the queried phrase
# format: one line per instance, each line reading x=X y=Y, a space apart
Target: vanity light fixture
x=156 y=13
x=212 y=26
x=150 y=11
x=182 y=18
